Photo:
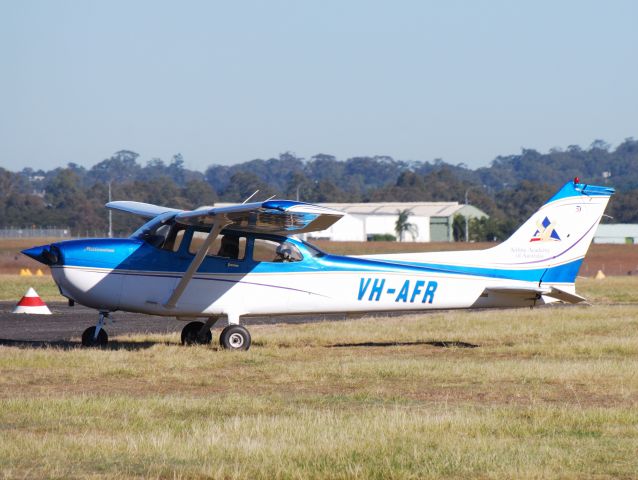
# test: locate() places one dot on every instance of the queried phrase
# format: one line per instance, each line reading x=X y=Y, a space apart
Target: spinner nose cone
x=46 y=254
x=34 y=252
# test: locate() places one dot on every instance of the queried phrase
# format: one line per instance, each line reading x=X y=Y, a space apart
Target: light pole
x=467 y=230
x=110 y=214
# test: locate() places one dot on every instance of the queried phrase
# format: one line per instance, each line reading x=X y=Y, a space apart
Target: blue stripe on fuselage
x=136 y=255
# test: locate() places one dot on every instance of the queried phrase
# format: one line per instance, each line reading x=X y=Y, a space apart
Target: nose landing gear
x=96 y=336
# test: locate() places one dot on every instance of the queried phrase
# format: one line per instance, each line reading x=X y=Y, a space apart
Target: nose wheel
x=235 y=337
x=96 y=336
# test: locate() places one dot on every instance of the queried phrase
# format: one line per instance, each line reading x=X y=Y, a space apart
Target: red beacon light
x=576 y=180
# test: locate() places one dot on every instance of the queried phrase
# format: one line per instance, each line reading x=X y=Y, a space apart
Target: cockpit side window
x=174 y=238
x=275 y=251
x=226 y=245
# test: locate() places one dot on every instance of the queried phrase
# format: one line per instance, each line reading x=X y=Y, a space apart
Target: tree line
x=509 y=190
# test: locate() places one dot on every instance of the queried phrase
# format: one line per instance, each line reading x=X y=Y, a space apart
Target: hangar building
x=433 y=220
x=617 y=233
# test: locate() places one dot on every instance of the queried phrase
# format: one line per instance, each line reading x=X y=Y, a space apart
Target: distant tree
x=487 y=229
x=154 y=168
x=458 y=227
x=122 y=166
x=160 y=191
x=382 y=237
x=243 y=184
x=403 y=226
x=198 y=193
x=9 y=183
x=327 y=191
x=175 y=169
x=69 y=203
x=509 y=190
x=298 y=186
x=623 y=208
x=599 y=144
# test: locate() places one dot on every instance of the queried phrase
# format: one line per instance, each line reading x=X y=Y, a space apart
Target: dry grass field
x=532 y=393
x=542 y=393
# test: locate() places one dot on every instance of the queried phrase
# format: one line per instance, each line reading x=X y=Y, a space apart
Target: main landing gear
x=196 y=333
x=233 y=337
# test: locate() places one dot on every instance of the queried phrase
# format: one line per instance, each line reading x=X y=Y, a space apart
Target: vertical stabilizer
x=557 y=236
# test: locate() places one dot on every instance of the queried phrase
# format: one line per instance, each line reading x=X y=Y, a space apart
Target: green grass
x=548 y=393
x=621 y=289
x=13 y=287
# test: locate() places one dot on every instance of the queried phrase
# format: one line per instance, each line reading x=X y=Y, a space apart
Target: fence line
x=52 y=232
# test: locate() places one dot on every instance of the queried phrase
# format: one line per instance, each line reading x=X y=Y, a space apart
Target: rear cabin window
x=224 y=246
x=274 y=251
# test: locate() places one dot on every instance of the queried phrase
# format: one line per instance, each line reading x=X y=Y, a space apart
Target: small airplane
x=247 y=259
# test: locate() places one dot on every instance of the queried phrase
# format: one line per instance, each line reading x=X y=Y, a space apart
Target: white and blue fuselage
x=537 y=265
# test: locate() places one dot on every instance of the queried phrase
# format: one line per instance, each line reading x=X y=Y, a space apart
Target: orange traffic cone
x=32 y=303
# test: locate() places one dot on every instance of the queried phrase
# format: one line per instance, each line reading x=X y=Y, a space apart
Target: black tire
x=235 y=337
x=191 y=335
x=88 y=339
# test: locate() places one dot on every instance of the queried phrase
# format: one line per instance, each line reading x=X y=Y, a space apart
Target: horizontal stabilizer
x=566 y=296
x=549 y=292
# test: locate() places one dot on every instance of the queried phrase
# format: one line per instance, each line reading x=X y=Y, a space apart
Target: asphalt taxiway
x=66 y=324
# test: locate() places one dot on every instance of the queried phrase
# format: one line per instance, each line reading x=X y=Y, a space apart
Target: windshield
x=156 y=230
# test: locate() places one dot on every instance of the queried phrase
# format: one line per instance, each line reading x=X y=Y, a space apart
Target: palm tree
x=402 y=225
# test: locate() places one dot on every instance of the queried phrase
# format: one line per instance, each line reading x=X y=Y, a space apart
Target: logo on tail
x=545 y=232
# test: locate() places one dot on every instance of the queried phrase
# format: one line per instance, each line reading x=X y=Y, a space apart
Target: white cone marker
x=32 y=303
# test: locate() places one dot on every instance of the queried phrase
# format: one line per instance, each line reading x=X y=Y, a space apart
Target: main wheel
x=89 y=340
x=191 y=335
x=235 y=337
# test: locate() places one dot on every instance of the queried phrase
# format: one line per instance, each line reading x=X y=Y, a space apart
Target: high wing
x=147 y=210
x=282 y=217
x=534 y=291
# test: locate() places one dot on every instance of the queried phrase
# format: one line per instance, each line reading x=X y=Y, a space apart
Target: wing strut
x=195 y=263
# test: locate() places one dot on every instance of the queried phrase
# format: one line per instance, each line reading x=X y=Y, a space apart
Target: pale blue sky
x=225 y=82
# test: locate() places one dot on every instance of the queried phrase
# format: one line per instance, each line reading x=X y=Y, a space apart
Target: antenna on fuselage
x=255 y=193
x=271 y=197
